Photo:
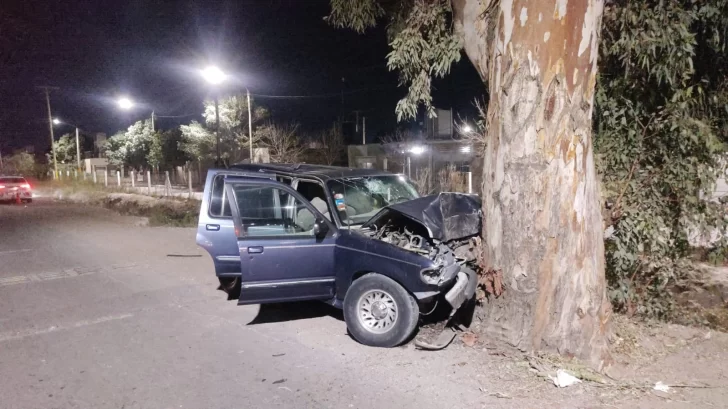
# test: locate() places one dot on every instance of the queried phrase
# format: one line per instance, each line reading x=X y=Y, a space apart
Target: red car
x=13 y=188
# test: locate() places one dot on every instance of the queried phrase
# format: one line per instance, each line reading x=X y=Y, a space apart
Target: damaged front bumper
x=464 y=288
x=458 y=283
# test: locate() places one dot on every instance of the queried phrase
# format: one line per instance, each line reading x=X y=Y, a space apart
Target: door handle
x=255 y=250
x=213 y=227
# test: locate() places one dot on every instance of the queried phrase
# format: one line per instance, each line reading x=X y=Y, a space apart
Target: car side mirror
x=320 y=228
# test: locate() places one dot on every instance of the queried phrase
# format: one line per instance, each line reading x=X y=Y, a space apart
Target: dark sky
x=96 y=50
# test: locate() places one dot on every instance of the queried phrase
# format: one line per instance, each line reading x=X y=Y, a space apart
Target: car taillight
x=2 y=186
x=25 y=186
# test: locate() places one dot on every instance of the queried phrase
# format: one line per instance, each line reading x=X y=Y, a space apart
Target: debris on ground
x=469 y=339
x=659 y=386
x=564 y=379
x=443 y=340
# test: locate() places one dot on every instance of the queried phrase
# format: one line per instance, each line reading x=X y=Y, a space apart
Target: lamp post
x=57 y=121
x=215 y=76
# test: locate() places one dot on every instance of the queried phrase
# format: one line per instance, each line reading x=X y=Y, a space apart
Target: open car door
x=286 y=246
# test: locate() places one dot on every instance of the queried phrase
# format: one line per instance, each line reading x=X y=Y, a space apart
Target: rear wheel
x=379 y=312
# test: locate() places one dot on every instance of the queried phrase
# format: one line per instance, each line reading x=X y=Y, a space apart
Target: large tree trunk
x=542 y=226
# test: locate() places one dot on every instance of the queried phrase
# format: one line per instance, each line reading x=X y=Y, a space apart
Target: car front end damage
x=444 y=228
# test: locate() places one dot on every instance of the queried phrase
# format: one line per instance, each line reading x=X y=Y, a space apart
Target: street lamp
x=127 y=104
x=57 y=121
x=467 y=128
x=213 y=75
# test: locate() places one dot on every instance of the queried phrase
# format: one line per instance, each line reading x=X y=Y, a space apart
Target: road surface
x=94 y=314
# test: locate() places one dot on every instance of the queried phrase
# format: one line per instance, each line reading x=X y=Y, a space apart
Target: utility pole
x=152 y=121
x=357 y=120
x=78 y=152
x=364 y=130
x=250 y=126
x=1 y=160
x=47 y=91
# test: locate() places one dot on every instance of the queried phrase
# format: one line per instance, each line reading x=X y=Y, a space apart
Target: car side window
x=218 y=202
x=266 y=212
x=314 y=193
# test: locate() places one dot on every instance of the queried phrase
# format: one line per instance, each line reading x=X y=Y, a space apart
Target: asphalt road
x=94 y=314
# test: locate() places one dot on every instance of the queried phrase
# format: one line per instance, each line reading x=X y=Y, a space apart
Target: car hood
x=446 y=216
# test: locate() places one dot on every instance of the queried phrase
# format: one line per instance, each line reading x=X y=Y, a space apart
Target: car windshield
x=357 y=199
x=11 y=180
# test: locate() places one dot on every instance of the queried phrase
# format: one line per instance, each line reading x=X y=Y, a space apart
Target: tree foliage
x=198 y=142
x=130 y=148
x=165 y=150
x=65 y=148
x=20 y=163
x=660 y=123
x=421 y=37
x=332 y=144
x=282 y=141
x=234 y=130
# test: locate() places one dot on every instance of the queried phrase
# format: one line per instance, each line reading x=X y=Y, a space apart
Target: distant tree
x=115 y=148
x=332 y=143
x=234 y=138
x=131 y=148
x=19 y=163
x=65 y=148
x=172 y=153
x=198 y=143
x=155 y=155
x=282 y=142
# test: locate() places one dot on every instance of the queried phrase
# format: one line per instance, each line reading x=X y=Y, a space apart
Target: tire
x=379 y=312
x=231 y=286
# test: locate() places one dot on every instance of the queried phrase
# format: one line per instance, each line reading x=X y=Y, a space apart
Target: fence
x=165 y=184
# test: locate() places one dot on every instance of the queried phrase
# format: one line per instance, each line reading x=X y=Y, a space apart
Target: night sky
x=97 y=50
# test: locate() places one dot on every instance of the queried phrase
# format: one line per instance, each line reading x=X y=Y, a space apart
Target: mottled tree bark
x=542 y=223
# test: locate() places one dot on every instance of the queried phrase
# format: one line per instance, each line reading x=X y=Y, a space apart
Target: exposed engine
x=448 y=256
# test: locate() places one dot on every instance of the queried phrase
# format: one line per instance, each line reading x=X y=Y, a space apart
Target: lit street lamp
x=57 y=121
x=467 y=128
x=127 y=104
x=215 y=76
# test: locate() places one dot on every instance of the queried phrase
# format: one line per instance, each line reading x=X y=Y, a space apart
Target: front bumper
x=464 y=288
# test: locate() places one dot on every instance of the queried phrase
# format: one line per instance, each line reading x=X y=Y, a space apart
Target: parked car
x=14 y=188
x=359 y=239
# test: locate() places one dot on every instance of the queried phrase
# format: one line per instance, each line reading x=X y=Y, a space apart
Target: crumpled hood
x=447 y=216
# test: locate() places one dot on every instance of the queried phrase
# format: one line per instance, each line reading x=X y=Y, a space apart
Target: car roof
x=322 y=172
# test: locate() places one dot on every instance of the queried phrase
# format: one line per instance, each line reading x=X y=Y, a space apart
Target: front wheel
x=379 y=312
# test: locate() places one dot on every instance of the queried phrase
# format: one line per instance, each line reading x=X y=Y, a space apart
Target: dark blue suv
x=359 y=239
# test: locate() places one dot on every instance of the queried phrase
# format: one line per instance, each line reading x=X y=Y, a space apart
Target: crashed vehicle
x=359 y=239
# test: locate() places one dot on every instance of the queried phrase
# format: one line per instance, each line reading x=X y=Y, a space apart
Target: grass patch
x=161 y=211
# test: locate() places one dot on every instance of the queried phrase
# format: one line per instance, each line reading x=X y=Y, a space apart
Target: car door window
x=268 y=212
x=314 y=193
x=218 y=202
